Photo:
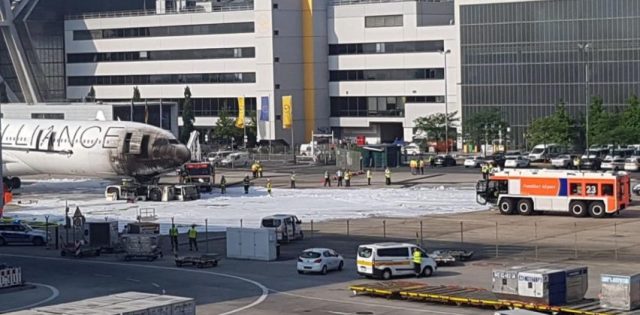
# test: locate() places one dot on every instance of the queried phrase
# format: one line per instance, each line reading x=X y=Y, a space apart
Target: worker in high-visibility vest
x=417 y=262
x=577 y=162
x=387 y=176
x=485 y=171
x=173 y=234
x=369 y=176
x=293 y=180
x=269 y=186
x=223 y=185
x=193 y=238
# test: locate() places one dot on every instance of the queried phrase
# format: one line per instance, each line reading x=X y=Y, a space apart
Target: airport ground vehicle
x=445 y=160
x=474 y=161
x=216 y=157
x=496 y=159
x=130 y=190
x=236 y=159
x=412 y=149
x=612 y=163
x=580 y=193
x=319 y=260
x=386 y=260
x=562 y=161
x=202 y=175
x=19 y=233
x=516 y=161
x=288 y=227
x=544 y=152
x=632 y=164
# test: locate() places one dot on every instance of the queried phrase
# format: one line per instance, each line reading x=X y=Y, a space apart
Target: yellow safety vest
x=268 y=186
x=417 y=257
x=173 y=231
x=368 y=174
x=387 y=174
x=193 y=233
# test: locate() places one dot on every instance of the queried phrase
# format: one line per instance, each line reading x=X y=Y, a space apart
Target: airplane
x=99 y=149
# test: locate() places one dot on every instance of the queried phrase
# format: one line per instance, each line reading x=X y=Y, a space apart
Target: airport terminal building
x=354 y=67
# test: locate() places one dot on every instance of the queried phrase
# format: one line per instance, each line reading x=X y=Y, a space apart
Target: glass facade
x=204 y=78
x=158 y=31
x=376 y=106
x=387 y=47
x=386 y=75
x=524 y=57
x=192 y=54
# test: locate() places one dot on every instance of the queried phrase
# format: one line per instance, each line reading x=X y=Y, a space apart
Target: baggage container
x=553 y=285
x=504 y=281
x=620 y=291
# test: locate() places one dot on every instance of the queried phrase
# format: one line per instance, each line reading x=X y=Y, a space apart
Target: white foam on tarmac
x=48 y=197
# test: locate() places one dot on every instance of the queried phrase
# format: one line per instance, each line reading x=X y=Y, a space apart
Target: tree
x=225 y=129
x=601 y=123
x=434 y=126
x=487 y=122
x=558 y=128
x=136 y=95
x=628 y=129
x=91 y=96
x=188 y=118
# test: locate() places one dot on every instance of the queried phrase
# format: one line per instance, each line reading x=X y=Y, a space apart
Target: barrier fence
x=10 y=277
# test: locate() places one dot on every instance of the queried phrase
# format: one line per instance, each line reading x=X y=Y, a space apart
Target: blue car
x=17 y=233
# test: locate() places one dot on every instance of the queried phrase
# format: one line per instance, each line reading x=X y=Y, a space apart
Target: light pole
x=584 y=48
x=446 y=103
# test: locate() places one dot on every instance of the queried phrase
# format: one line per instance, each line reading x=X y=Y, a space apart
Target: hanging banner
x=287 y=112
x=240 y=119
x=264 y=109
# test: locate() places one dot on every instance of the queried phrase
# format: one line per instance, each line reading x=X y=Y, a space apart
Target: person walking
x=246 y=182
x=417 y=262
x=369 y=176
x=193 y=238
x=387 y=176
x=173 y=234
x=412 y=166
x=432 y=161
x=269 y=186
x=347 y=178
x=254 y=169
x=293 y=180
x=339 y=176
x=327 y=179
x=421 y=165
x=223 y=185
x=485 y=171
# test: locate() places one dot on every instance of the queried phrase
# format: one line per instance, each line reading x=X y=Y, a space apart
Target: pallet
x=204 y=261
x=474 y=297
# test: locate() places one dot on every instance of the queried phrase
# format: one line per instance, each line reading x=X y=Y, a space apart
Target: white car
x=236 y=159
x=632 y=164
x=474 y=161
x=562 y=161
x=616 y=163
x=216 y=157
x=516 y=161
x=412 y=149
x=319 y=260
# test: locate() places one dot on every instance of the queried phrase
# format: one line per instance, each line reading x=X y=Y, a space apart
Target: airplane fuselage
x=88 y=148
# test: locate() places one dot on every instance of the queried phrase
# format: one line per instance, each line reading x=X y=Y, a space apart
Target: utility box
x=504 y=281
x=620 y=291
x=252 y=244
x=553 y=285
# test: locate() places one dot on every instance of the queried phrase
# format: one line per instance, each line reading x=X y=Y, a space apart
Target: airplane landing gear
x=12 y=183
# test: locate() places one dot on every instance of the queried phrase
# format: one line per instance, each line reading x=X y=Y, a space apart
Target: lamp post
x=584 y=48
x=444 y=53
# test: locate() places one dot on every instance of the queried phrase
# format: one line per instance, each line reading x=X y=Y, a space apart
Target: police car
x=18 y=233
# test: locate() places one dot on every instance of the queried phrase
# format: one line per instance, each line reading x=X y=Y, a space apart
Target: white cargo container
x=553 y=285
x=504 y=281
x=253 y=244
x=620 y=291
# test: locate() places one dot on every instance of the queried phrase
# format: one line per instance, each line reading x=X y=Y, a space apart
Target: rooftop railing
x=351 y=2
x=133 y=13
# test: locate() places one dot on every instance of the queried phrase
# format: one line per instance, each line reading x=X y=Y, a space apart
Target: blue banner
x=264 y=109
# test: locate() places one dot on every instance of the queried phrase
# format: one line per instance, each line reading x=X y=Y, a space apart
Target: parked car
x=445 y=160
x=632 y=164
x=497 y=159
x=544 y=152
x=387 y=260
x=412 y=149
x=319 y=260
x=616 y=163
x=473 y=161
x=592 y=163
x=636 y=189
x=216 y=158
x=562 y=161
x=18 y=233
x=516 y=161
x=236 y=159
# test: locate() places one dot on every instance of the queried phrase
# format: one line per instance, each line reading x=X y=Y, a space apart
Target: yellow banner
x=240 y=119
x=287 y=112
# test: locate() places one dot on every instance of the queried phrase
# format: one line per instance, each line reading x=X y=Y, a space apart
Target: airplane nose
x=182 y=154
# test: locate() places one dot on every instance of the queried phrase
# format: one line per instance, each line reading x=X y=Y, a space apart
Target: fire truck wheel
x=506 y=206
x=525 y=207
x=597 y=209
x=578 y=209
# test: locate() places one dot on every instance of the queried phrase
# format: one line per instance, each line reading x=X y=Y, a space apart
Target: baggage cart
x=203 y=261
x=141 y=246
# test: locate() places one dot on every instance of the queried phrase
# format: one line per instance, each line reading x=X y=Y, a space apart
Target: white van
x=236 y=159
x=288 y=227
x=544 y=152
x=386 y=260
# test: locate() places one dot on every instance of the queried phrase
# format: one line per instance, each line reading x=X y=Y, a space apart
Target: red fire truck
x=581 y=193
x=201 y=174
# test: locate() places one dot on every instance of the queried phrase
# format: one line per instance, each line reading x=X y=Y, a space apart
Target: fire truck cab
x=581 y=193
x=201 y=174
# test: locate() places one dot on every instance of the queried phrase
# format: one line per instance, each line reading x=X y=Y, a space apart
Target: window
x=394 y=252
x=183 y=30
x=386 y=75
x=218 y=78
x=576 y=189
x=607 y=189
x=47 y=116
x=591 y=189
x=383 y=21
x=193 y=54
x=364 y=252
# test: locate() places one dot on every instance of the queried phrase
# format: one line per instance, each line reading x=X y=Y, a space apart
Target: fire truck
x=201 y=174
x=581 y=193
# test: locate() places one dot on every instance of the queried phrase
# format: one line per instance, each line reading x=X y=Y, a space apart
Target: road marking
x=155 y=285
x=102 y=275
x=54 y=295
x=368 y=304
x=262 y=298
x=133 y=280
